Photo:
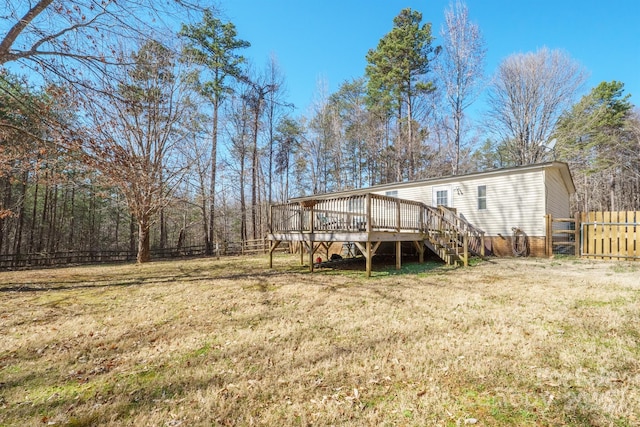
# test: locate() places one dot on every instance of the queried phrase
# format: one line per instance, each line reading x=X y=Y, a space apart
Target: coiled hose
x=519 y=244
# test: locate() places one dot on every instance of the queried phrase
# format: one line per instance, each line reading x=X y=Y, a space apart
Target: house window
x=391 y=193
x=482 y=197
x=442 y=198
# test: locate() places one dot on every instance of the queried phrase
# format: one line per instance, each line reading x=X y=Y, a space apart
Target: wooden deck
x=367 y=220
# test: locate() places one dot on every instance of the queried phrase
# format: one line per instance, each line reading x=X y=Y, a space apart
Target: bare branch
x=19 y=27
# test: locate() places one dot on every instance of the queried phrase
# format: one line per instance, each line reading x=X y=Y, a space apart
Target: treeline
x=137 y=137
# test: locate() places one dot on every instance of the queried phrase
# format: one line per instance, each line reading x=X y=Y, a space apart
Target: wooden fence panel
x=599 y=227
x=606 y=241
x=610 y=235
x=633 y=241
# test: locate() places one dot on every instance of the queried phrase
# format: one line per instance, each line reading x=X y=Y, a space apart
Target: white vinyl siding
x=521 y=200
x=515 y=197
x=557 y=195
x=520 y=203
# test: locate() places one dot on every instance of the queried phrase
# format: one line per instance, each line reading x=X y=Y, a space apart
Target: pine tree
x=397 y=72
x=214 y=45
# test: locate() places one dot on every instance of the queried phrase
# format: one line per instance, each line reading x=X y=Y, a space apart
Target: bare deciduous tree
x=529 y=94
x=275 y=107
x=460 y=70
x=134 y=137
x=239 y=137
x=69 y=38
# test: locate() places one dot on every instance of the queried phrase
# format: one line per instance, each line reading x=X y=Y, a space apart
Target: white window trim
x=434 y=195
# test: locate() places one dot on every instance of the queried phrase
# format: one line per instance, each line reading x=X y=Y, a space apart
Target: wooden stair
x=451 y=252
x=451 y=237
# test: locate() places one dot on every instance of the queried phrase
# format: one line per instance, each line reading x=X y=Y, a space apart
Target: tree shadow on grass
x=34 y=287
x=384 y=265
x=144 y=278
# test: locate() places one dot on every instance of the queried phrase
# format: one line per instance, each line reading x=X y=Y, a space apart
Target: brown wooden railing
x=366 y=212
x=455 y=227
x=373 y=212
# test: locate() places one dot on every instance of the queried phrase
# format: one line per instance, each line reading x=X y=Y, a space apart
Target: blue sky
x=327 y=40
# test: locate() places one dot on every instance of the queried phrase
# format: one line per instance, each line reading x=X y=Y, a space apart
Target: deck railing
x=373 y=212
x=449 y=234
x=366 y=212
x=447 y=223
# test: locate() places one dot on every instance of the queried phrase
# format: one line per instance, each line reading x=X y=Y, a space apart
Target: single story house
x=496 y=201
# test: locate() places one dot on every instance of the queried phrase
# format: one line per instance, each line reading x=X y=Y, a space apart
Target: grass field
x=230 y=342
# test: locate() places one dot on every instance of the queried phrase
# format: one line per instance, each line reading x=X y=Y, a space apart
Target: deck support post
x=368 y=250
x=369 y=255
x=302 y=246
x=398 y=255
x=272 y=247
x=311 y=251
x=420 y=248
x=327 y=247
x=312 y=248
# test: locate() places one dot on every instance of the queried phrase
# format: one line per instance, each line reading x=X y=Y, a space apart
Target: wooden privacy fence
x=610 y=235
x=599 y=235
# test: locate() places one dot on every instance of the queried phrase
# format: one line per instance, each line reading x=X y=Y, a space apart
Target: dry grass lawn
x=230 y=342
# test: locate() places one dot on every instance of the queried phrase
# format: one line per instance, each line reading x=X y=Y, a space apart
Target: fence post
x=578 y=235
x=549 y=236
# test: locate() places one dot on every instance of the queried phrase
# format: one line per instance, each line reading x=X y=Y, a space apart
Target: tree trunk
x=43 y=217
x=612 y=191
x=412 y=150
x=53 y=230
x=212 y=184
x=144 y=253
x=270 y=177
x=243 y=204
x=116 y=231
x=18 y=239
x=399 y=159
x=62 y=219
x=254 y=169
x=34 y=214
x=163 y=230
x=6 y=203
x=72 y=221
x=132 y=234
x=457 y=127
